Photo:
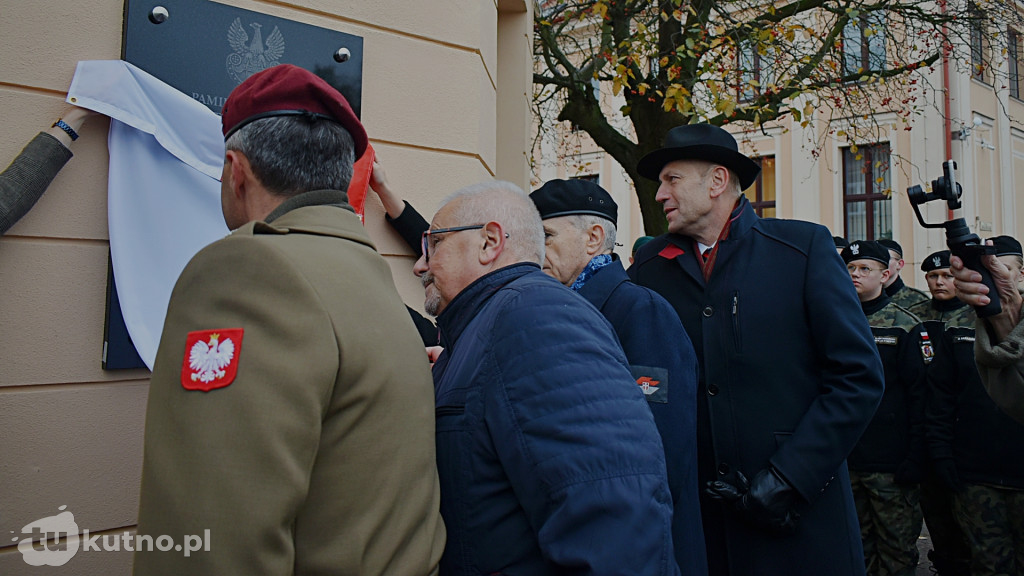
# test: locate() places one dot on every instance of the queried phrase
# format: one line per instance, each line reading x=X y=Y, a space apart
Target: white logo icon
x=855 y=249
x=252 y=57
x=937 y=261
x=54 y=533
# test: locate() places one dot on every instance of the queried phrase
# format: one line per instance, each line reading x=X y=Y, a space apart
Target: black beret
x=892 y=245
x=936 y=261
x=840 y=242
x=568 y=197
x=1006 y=246
x=866 y=250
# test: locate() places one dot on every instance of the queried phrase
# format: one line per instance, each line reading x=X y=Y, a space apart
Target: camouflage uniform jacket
x=896 y=433
x=952 y=312
x=905 y=296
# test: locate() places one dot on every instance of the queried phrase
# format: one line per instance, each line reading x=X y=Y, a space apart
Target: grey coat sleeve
x=25 y=180
x=1001 y=366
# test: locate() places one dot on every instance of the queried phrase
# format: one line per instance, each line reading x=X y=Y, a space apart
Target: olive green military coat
x=318 y=457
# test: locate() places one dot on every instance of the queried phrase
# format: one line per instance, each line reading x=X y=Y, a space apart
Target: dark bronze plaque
x=205 y=49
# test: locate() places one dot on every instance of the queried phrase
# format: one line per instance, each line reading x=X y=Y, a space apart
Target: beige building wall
x=446 y=89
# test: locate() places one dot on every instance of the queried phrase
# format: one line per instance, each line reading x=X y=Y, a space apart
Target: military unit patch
x=927 y=351
x=653 y=382
x=888 y=340
x=211 y=359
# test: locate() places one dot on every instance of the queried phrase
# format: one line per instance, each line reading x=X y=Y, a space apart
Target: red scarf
x=707 y=264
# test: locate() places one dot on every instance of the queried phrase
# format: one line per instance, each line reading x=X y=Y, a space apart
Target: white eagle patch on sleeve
x=207 y=361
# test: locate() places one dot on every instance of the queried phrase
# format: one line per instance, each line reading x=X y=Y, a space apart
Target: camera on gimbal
x=959 y=238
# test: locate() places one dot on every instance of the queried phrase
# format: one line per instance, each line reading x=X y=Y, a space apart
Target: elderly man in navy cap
x=789 y=373
x=579 y=238
x=278 y=428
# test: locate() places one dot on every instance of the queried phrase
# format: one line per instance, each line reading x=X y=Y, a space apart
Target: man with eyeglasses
x=889 y=462
x=901 y=294
x=549 y=459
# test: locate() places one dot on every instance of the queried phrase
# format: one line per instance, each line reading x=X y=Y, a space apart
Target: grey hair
x=506 y=203
x=292 y=154
x=583 y=222
x=734 y=179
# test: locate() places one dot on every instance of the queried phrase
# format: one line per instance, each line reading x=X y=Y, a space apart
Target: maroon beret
x=287 y=90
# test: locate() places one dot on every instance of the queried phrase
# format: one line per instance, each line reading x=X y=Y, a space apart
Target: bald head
x=477 y=230
x=507 y=204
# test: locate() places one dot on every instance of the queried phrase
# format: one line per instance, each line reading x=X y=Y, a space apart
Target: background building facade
x=849 y=168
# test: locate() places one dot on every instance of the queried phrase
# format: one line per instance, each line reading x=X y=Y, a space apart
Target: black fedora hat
x=700 y=142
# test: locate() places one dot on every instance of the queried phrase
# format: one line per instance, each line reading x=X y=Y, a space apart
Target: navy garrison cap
x=569 y=197
x=1006 y=246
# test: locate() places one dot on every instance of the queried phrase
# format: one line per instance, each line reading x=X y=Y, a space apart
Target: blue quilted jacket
x=549 y=459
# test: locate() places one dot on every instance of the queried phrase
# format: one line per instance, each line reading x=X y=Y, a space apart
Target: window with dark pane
x=867 y=194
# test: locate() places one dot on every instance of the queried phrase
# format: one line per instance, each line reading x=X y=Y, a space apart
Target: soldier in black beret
x=889 y=462
x=943 y=305
x=976 y=448
x=905 y=296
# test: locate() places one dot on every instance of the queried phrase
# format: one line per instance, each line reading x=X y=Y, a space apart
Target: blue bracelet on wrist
x=60 y=123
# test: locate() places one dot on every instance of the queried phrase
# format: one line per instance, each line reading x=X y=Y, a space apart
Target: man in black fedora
x=789 y=371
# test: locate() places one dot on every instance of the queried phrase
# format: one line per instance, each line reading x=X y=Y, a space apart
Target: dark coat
x=657 y=347
x=549 y=459
x=789 y=377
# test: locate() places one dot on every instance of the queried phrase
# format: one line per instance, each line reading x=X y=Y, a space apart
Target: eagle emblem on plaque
x=250 y=57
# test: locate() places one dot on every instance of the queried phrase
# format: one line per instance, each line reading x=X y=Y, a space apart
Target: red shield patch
x=211 y=359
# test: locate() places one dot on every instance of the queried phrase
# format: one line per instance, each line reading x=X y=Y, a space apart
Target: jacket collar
x=600 y=286
x=872 y=306
x=895 y=287
x=454 y=319
x=953 y=303
x=742 y=219
x=295 y=216
x=311 y=198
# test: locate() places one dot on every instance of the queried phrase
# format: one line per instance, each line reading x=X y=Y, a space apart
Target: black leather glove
x=945 y=469
x=768 y=502
x=909 y=472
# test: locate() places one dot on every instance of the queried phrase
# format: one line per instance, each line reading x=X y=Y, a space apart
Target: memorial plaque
x=206 y=49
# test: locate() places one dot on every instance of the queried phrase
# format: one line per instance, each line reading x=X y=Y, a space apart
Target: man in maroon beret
x=279 y=438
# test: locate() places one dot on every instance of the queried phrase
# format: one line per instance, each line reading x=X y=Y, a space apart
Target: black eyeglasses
x=426 y=242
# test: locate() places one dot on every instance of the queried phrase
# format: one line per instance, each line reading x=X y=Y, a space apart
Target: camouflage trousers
x=993 y=520
x=890 y=523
